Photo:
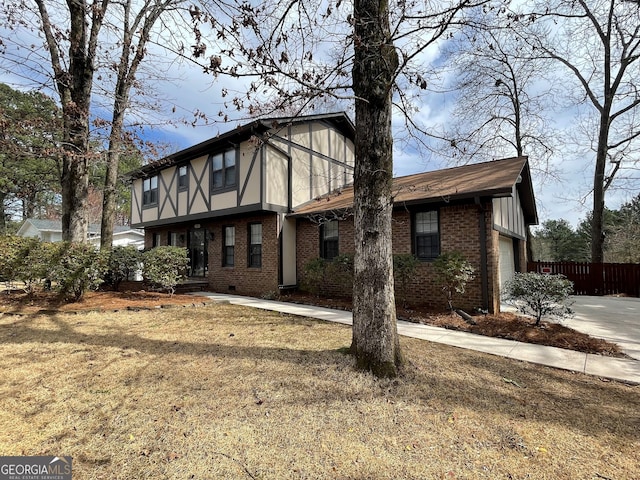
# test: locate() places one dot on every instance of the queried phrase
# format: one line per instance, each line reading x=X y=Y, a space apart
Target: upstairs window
x=183 y=177
x=329 y=238
x=426 y=235
x=150 y=191
x=223 y=167
x=228 y=246
x=255 y=245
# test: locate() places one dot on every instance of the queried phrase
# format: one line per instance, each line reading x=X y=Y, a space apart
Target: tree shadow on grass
x=437 y=373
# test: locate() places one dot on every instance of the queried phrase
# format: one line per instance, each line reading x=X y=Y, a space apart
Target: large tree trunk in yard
x=110 y=187
x=599 y=181
x=3 y=215
x=75 y=182
x=74 y=81
x=375 y=337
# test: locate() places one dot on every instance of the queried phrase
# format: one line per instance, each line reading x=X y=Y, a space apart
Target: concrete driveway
x=616 y=319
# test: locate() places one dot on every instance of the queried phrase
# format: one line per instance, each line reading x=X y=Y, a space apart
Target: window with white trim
x=228 y=246
x=183 y=177
x=255 y=245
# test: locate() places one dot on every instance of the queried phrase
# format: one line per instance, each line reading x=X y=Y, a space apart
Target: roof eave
x=493 y=193
x=237 y=135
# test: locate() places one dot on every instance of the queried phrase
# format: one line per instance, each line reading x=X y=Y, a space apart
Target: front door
x=198 y=258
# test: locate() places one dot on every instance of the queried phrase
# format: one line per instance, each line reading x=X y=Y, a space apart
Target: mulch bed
x=19 y=303
x=502 y=325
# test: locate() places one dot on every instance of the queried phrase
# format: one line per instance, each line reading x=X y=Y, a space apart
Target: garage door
x=506 y=261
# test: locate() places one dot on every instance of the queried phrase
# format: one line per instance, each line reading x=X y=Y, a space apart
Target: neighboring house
x=254 y=205
x=51 y=231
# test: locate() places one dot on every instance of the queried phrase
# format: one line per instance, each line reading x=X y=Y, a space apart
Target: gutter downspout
x=482 y=232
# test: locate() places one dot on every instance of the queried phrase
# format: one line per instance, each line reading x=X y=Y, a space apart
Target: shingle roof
x=56 y=226
x=46 y=225
x=488 y=179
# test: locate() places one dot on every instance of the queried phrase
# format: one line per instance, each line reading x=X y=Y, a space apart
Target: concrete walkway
x=614 y=368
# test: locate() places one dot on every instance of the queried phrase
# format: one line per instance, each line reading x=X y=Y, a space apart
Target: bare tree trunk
x=599 y=181
x=74 y=201
x=29 y=203
x=74 y=82
x=375 y=338
x=3 y=215
x=110 y=193
x=75 y=168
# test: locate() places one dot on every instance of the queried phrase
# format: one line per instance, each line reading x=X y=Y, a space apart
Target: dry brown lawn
x=226 y=392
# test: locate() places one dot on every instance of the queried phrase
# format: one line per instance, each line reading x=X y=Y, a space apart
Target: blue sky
x=556 y=198
x=191 y=91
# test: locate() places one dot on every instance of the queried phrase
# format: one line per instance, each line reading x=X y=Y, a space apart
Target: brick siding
x=459 y=231
x=239 y=278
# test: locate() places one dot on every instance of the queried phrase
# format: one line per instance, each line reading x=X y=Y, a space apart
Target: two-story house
x=254 y=205
x=227 y=199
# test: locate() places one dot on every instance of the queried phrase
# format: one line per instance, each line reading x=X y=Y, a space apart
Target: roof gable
x=339 y=120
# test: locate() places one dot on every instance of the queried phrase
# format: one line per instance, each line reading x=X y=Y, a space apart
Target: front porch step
x=192 y=286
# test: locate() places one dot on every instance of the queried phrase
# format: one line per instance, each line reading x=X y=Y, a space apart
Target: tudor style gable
x=268 y=165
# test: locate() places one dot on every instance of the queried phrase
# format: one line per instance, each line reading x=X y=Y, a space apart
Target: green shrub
x=540 y=295
x=165 y=266
x=453 y=272
x=36 y=263
x=313 y=275
x=123 y=262
x=340 y=271
x=10 y=258
x=405 y=268
x=24 y=259
x=76 y=268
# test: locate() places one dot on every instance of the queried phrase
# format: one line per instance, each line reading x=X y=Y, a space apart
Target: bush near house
x=124 y=261
x=35 y=263
x=453 y=271
x=313 y=275
x=340 y=271
x=165 y=266
x=405 y=268
x=71 y=269
x=322 y=277
x=11 y=259
x=26 y=260
x=540 y=295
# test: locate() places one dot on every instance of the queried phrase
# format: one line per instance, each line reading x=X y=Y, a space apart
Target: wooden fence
x=595 y=278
